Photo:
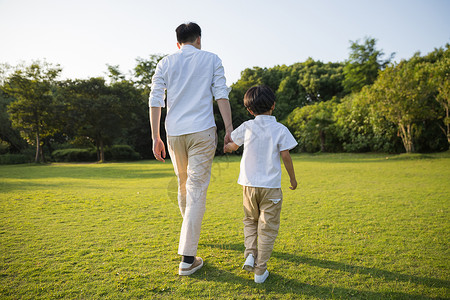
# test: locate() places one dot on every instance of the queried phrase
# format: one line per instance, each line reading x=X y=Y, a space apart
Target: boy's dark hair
x=188 y=32
x=259 y=99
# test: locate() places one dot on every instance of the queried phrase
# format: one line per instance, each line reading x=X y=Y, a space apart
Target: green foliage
x=115 y=153
x=32 y=112
x=144 y=71
x=364 y=64
x=403 y=95
x=74 y=155
x=11 y=159
x=361 y=128
x=367 y=105
x=123 y=153
x=295 y=86
x=313 y=125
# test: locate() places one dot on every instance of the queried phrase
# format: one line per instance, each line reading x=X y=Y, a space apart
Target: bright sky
x=85 y=35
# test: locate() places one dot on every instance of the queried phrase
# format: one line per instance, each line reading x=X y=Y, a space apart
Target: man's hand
x=227 y=139
x=159 y=150
x=293 y=184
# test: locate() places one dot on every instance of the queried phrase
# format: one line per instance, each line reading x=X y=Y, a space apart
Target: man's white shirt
x=192 y=77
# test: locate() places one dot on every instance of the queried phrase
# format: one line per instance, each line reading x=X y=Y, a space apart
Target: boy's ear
x=178 y=45
x=250 y=111
x=273 y=106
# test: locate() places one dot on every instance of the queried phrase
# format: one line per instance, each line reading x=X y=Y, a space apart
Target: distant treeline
x=367 y=103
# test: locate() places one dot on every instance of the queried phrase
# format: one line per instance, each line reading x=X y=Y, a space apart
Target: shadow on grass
x=307 y=289
x=278 y=284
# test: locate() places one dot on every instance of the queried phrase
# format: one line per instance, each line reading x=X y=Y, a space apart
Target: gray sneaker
x=249 y=263
x=188 y=269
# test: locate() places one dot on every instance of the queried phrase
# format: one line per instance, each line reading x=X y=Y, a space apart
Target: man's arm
x=225 y=112
x=159 y=150
x=287 y=161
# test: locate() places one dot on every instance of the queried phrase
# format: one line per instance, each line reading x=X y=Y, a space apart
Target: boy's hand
x=293 y=184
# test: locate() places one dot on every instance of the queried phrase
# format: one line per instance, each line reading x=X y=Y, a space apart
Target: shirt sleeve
x=219 y=82
x=287 y=140
x=158 y=87
x=238 y=135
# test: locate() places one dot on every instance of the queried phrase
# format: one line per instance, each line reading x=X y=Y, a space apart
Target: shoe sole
x=190 y=272
x=248 y=268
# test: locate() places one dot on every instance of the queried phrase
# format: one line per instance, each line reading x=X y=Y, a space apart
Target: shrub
x=10 y=159
x=122 y=152
x=74 y=155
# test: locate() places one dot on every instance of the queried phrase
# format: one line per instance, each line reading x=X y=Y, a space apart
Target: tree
x=114 y=74
x=144 y=71
x=363 y=65
x=9 y=136
x=441 y=81
x=95 y=112
x=402 y=93
x=313 y=125
x=31 y=113
x=360 y=127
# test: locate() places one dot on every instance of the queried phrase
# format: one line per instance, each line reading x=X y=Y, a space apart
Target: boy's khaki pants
x=262 y=207
x=192 y=156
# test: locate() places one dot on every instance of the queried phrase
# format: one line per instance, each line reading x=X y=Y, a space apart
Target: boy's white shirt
x=263 y=139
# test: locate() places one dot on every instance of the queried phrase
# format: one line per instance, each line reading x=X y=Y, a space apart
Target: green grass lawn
x=362 y=226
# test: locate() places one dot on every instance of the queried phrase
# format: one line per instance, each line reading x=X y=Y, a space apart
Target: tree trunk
x=406 y=135
x=322 y=140
x=102 y=152
x=38 y=147
x=97 y=146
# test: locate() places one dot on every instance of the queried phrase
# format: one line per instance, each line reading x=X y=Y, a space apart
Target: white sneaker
x=261 y=278
x=249 y=263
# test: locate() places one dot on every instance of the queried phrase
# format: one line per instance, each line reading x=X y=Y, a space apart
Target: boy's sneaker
x=188 y=269
x=261 y=278
x=249 y=263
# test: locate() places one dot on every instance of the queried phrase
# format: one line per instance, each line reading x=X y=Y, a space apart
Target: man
x=191 y=77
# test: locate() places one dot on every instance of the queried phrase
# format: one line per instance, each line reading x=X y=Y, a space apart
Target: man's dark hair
x=259 y=99
x=188 y=32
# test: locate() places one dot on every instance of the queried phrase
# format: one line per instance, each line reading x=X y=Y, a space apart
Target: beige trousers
x=192 y=156
x=262 y=208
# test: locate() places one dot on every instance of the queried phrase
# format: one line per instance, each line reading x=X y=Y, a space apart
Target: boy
x=264 y=140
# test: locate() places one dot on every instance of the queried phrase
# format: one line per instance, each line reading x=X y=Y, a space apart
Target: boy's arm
x=287 y=161
x=230 y=147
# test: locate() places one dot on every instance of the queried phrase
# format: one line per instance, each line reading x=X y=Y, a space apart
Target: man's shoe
x=249 y=263
x=261 y=278
x=188 y=269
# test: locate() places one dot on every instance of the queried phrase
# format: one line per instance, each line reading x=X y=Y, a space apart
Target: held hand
x=226 y=140
x=227 y=148
x=293 y=184
x=159 y=150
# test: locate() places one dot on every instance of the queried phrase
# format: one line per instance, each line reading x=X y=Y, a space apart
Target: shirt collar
x=188 y=48
x=265 y=117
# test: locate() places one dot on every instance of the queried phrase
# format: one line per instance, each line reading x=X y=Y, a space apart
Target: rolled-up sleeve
x=238 y=135
x=158 y=87
x=219 y=82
